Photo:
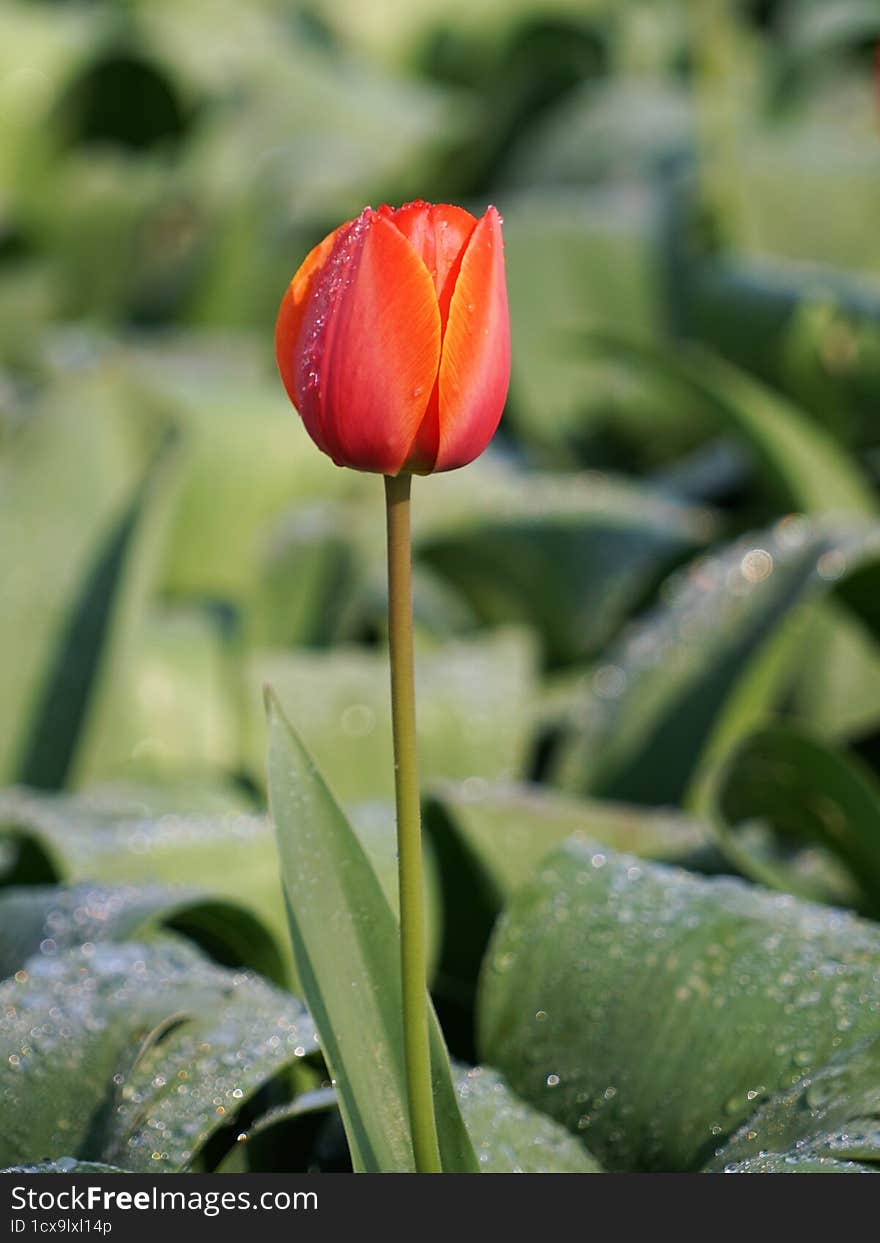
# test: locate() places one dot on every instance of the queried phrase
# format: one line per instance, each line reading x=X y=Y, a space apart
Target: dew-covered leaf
x=489 y=839
x=284 y=1138
x=832 y=1115
x=509 y=1136
x=708 y=665
x=64 y=1165
x=651 y=1010
x=231 y=855
x=117 y=1052
x=51 y=919
x=346 y=948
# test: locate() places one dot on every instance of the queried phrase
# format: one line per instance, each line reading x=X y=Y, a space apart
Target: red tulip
x=393 y=339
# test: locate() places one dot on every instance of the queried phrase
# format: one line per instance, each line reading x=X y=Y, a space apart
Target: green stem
x=413 y=951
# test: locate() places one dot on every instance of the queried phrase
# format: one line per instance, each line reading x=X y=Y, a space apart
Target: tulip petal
x=291 y=317
x=475 y=362
x=372 y=341
x=439 y=233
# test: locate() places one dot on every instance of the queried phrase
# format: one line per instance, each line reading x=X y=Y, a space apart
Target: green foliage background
x=647 y=620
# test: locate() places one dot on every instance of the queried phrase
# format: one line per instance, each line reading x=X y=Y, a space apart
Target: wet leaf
x=651 y=1011
x=708 y=665
x=231 y=855
x=120 y=1052
x=346 y=949
x=51 y=919
x=830 y=1116
x=510 y=1137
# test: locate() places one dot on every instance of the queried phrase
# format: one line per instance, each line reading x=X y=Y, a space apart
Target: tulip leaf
x=804 y=462
x=53 y=918
x=141 y=1052
x=229 y=856
x=832 y=1115
x=652 y=1011
x=348 y=966
x=489 y=841
x=510 y=1137
x=68 y=473
x=810 y=794
x=708 y=665
x=97 y=626
x=475 y=696
x=597 y=547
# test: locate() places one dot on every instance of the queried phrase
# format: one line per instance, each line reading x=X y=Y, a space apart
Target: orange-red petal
x=475 y=360
x=369 y=347
x=292 y=313
x=439 y=233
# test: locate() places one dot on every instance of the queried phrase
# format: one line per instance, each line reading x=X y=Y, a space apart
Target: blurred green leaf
x=69 y=469
x=348 y=966
x=708 y=665
x=805 y=464
x=92 y=645
x=652 y=1011
x=475 y=711
x=596 y=545
x=810 y=794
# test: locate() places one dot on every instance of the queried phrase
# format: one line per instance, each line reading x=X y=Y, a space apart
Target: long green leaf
x=107 y=606
x=811 y=794
x=805 y=463
x=346 y=949
x=709 y=665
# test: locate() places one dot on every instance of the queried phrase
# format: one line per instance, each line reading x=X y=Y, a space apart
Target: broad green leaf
x=804 y=462
x=833 y=1115
x=228 y=855
x=490 y=839
x=178 y=718
x=651 y=1011
x=51 y=919
x=346 y=949
x=838 y=690
x=707 y=666
x=474 y=718
x=136 y=1054
x=69 y=465
x=810 y=794
x=576 y=258
x=597 y=547
x=77 y=695
x=505 y=829
x=510 y=1137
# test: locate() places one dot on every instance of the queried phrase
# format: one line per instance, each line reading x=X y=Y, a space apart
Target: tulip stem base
x=413 y=941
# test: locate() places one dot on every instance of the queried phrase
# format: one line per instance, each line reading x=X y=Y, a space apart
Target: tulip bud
x=393 y=339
